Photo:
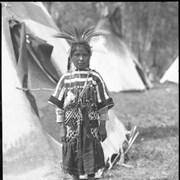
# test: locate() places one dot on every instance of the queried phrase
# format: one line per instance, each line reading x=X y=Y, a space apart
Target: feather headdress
x=79 y=35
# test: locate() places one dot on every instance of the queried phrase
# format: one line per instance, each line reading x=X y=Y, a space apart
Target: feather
x=79 y=34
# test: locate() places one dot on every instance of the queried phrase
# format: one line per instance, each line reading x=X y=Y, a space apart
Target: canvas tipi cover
x=172 y=73
x=112 y=58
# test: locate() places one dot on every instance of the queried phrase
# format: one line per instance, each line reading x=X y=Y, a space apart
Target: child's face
x=80 y=58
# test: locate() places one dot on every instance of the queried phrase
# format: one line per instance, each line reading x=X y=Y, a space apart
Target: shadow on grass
x=154 y=132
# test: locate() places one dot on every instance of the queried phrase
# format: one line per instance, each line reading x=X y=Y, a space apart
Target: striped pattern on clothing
x=96 y=92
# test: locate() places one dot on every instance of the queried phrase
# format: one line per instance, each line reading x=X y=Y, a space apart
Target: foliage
x=72 y=13
x=151 y=31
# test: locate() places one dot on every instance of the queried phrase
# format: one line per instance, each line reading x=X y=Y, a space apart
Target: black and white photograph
x=90 y=90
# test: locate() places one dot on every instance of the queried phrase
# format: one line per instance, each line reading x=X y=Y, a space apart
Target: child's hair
x=69 y=64
x=85 y=45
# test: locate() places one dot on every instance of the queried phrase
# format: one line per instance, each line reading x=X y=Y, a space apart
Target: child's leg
x=75 y=177
x=91 y=177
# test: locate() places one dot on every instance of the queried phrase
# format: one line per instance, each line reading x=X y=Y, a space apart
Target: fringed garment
x=81 y=94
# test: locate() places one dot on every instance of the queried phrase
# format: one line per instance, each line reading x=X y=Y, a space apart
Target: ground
x=155 y=153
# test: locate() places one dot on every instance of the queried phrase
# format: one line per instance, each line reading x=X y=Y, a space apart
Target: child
x=82 y=102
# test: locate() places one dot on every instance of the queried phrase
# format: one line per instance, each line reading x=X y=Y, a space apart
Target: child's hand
x=62 y=133
x=102 y=135
x=102 y=131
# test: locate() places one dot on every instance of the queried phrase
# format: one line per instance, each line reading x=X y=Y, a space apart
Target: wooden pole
x=37 y=89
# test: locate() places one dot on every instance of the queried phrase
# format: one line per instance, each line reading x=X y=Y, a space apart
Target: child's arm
x=103 y=117
x=60 y=121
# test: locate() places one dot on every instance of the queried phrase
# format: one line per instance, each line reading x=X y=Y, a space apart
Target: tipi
x=30 y=150
x=117 y=64
x=172 y=73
